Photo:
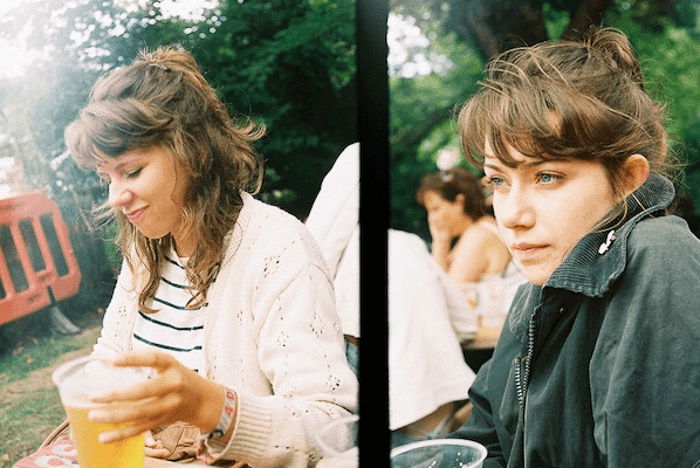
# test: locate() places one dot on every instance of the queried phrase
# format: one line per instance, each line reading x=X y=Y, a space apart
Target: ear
x=635 y=172
x=459 y=198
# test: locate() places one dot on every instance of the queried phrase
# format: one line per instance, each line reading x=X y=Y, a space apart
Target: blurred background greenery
x=438 y=49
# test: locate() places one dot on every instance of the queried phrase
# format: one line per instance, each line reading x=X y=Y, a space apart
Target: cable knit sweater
x=271 y=333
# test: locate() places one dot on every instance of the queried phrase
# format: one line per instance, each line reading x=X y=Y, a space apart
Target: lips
x=134 y=215
x=527 y=251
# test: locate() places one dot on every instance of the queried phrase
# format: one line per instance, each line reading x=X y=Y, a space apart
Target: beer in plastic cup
x=76 y=380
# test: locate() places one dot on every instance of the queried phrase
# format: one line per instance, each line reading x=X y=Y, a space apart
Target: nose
x=119 y=195
x=514 y=210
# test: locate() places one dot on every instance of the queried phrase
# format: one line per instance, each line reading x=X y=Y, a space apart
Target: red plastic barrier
x=36 y=256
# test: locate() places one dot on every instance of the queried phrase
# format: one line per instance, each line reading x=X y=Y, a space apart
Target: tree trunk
x=588 y=13
x=497 y=25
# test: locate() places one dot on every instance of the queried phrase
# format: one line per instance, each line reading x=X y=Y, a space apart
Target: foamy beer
x=76 y=380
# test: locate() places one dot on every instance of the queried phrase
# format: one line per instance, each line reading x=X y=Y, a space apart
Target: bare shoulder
x=477 y=238
x=483 y=232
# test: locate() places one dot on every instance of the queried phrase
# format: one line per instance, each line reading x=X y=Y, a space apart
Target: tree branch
x=417 y=133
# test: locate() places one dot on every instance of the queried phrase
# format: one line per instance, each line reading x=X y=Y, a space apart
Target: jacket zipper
x=522 y=376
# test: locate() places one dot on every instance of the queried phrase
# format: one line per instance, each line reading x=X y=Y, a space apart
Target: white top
x=491 y=297
x=334 y=222
x=426 y=364
x=174 y=329
x=271 y=333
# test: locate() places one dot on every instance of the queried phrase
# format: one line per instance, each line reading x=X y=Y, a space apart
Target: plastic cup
x=439 y=453
x=338 y=443
x=76 y=380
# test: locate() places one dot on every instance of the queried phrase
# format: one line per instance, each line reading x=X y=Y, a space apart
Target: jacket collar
x=600 y=257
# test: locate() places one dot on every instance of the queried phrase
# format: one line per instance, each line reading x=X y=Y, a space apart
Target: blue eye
x=547 y=178
x=495 y=181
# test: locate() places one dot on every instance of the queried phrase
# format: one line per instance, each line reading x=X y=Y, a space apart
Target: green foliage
x=422 y=113
x=666 y=36
x=670 y=60
x=289 y=65
x=555 y=20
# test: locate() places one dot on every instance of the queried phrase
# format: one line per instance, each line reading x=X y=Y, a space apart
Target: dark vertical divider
x=373 y=126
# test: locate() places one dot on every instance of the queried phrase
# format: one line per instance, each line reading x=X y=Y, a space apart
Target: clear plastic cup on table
x=76 y=380
x=338 y=443
x=439 y=453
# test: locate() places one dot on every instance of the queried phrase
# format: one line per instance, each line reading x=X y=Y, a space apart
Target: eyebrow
x=527 y=164
x=129 y=159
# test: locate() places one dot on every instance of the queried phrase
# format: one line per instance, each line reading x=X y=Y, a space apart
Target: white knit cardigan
x=271 y=333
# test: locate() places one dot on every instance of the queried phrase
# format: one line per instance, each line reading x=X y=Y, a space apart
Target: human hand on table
x=174 y=393
x=154 y=448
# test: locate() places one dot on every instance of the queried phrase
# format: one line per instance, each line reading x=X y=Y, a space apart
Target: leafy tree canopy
x=665 y=34
x=287 y=65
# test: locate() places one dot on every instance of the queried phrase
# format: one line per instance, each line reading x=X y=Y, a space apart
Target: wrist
x=440 y=249
x=227 y=406
x=207 y=405
x=441 y=241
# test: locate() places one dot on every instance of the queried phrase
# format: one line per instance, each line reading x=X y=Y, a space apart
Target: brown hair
x=162 y=98
x=448 y=184
x=583 y=100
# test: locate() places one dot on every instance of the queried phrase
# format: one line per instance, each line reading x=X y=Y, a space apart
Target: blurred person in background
x=428 y=377
x=466 y=242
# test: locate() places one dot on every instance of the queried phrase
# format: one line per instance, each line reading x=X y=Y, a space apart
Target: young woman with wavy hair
x=597 y=365
x=227 y=298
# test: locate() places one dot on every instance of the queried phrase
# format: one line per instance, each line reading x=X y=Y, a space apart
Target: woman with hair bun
x=597 y=365
x=228 y=299
x=467 y=245
x=455 y=203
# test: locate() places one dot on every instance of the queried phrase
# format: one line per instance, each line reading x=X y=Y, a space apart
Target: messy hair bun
x=615 y=46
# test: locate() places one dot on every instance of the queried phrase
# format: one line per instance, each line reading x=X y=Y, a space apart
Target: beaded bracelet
x=225 y=417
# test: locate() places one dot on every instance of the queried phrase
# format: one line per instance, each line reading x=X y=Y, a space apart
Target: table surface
x=62 y=453
x=156 y=463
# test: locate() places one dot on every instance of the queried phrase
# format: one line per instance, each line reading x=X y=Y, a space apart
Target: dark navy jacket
x=601 y=365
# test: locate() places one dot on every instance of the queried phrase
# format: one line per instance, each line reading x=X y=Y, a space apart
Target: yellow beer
x=92 y=453
x=76 y=381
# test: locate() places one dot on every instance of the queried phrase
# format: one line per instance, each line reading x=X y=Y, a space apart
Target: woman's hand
x=175 y=393
x=154 y=448
x=438 y=230
x=441 y=241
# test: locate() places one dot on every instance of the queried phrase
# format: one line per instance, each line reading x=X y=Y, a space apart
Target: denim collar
x=600 y=257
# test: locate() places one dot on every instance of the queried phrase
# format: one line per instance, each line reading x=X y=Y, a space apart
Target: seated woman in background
x=228 y=299
x=454 y=201
x=479 y=261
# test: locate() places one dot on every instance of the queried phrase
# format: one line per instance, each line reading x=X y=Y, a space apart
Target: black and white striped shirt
x=174 y=329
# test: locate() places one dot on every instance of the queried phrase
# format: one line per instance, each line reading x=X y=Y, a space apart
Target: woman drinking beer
x=226 y=298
